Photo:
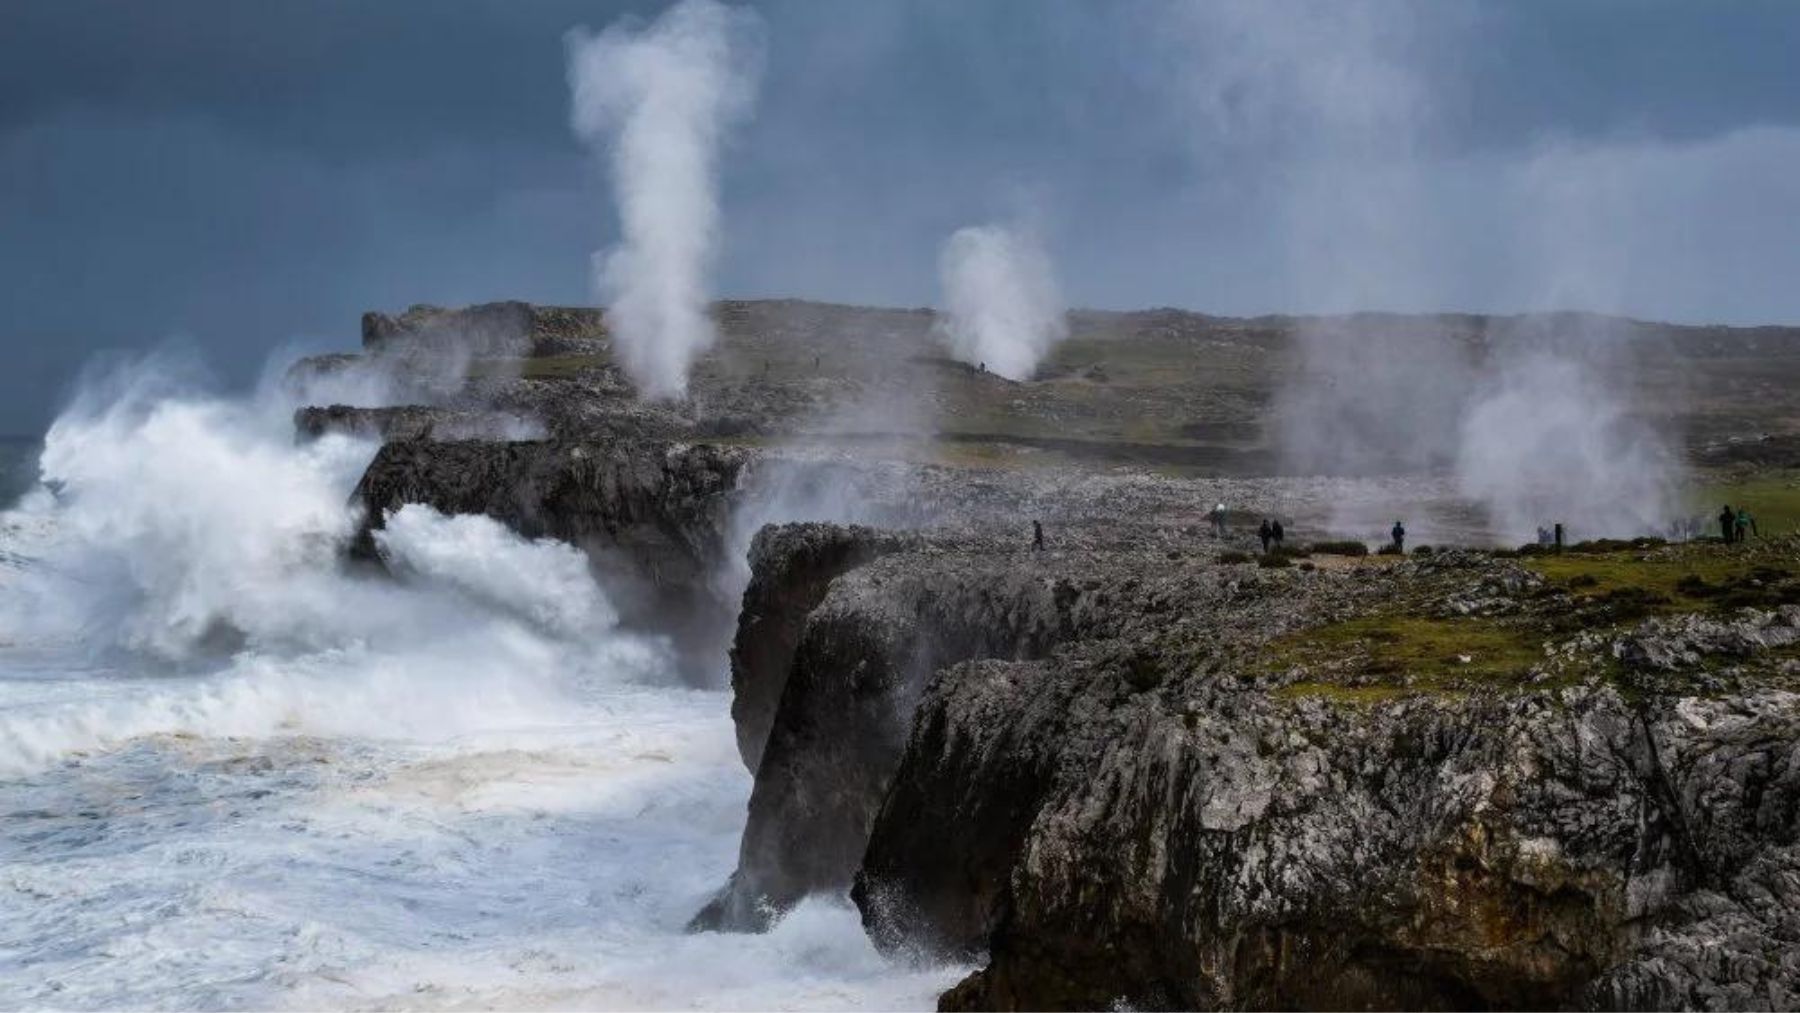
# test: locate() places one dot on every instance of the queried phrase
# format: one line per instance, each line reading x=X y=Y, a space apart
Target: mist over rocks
x=1138 y=763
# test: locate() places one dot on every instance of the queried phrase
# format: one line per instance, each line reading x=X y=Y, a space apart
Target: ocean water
x=234 y=775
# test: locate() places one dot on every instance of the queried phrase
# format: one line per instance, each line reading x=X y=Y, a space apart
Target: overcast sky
x=249 y=176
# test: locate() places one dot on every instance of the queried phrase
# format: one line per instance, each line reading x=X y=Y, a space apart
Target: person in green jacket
x=1746 y=525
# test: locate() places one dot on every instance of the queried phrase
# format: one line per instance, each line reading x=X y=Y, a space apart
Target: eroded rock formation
x=1123 y=778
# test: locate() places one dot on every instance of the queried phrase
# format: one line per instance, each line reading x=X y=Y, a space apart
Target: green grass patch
x=1773 y=499
x=1689 y=577
x=1422 y=652
x=547 y=367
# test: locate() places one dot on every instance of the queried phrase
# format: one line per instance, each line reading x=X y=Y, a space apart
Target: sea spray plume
x=657 y=101
x=1003 y=306
x=1535 y=420
x=1549 y=436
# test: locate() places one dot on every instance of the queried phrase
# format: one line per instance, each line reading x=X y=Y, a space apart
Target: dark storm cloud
x=251 y=175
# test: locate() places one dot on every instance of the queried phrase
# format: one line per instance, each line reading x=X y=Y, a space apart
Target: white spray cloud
x=1535 y=419
x=1003 y=306
x=657 y=101
x=1545 y=441
x=179 y=530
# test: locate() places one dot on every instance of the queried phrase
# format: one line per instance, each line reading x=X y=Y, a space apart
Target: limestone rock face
x=1226 y=849
x=791 y=567
x=1099 y=769
x=858 y=665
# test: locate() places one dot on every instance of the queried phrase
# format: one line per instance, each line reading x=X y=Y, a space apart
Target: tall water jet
x=1004 y=309
x=656 y=101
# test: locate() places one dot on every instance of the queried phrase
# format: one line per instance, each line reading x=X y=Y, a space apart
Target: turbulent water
x=234 y=775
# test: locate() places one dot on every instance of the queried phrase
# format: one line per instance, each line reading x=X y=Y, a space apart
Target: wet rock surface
x=1122 y=778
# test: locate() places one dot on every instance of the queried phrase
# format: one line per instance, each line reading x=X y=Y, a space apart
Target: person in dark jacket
x=1727 y=523
x=1278 y=533
x=1037 y=535
x=1265 y=532
x=1399 y=533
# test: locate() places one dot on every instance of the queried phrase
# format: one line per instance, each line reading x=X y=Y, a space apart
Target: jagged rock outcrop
x=1158 y=819
x=791 y=566
x=861 y=659
x=1130 y=775
x=501 y=328
x=1219 y=847
x=653 y=515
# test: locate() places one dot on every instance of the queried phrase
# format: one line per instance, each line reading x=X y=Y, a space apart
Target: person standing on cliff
x=1399 y=533
x=1727 y=523
x=1265 y=533
x=1218 y=520
x=1278 y=533
x=1037 y=536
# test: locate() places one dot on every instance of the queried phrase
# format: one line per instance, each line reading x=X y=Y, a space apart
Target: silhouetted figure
x=1218 y=520
x=1543 y=535
x=1399 y=533
x=1264 y=532
x=1037 y=535
x=1746 y=525
x=1727 y=523
x=1278 y=532
x=981 y=368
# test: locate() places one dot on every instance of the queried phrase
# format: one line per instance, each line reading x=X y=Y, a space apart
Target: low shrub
x=1346 y=547
x=1390 y=549
x=1423 y=550
x=1232 y=556
x=1271 y=561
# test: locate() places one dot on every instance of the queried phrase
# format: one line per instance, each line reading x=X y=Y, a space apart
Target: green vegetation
x=1398 y=651
x=1772 y=498
x=547 y=367
x=1675 y=578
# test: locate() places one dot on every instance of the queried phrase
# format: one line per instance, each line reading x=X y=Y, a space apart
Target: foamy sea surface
x=233 y=775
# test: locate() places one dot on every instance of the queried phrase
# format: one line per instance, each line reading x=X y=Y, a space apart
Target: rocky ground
x=1145 y=764
x=1134 y=775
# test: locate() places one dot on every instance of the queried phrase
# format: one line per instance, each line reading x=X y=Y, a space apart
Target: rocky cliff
x=654 y=516
x=1458 y=781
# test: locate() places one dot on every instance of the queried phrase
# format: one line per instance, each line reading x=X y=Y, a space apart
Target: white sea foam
x=233 y=773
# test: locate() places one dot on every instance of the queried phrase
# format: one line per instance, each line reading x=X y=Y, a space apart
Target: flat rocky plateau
x=1144 y=764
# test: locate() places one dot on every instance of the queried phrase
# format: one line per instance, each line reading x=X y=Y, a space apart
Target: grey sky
x=253 y=175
